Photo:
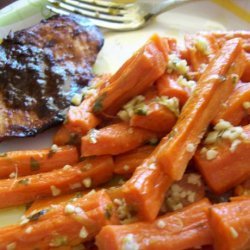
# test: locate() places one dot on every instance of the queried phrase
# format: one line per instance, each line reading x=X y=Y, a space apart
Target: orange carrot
x=62 y=225
x=223 y=36
x=230 y=225
x=81 y=121
x=158 y=119
x=86 y=174
x=243 y=189
x=64 y=136
x=21 y=163
x=234 y=110
x=246 y=75
x=114 y=139
x=128 y=162
x=213 y=88
x=176 y=231
x=134 y=77
x=230 y=167
x=45 y=203
x=148 y=183
x=201 y=49
x=167 y=86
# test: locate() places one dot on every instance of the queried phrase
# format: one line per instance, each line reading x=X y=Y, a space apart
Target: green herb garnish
x=34 y=164
x=25 y=181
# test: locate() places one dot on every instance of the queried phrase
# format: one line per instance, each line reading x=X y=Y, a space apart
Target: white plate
x=203 y=15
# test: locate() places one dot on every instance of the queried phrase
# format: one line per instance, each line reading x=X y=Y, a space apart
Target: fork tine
x=100 y=23
x=104 y=14
x=97 y=8
x=107 y=4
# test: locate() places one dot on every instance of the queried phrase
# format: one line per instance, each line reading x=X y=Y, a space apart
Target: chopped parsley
x=34 y=164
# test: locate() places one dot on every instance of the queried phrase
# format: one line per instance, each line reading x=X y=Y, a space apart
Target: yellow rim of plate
x=234 y=8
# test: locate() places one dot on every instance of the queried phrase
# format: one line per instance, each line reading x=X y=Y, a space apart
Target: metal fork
x=119 y=16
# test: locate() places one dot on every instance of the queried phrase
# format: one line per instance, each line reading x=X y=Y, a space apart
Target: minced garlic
x=129 y=243
x=87 y=182
x=211 y=154
x=177 y=64
x=55 y=191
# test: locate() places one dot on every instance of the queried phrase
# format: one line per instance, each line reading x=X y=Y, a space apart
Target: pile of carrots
x=155 y=157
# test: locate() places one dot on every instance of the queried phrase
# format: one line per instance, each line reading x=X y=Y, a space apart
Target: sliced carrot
x=223 y=36
x=51 y=201
x=63 y=136
x=86 y=174
x=81 y=121
x=230 y=167
x=176 y=231
x=234 y=110
x=158 y=119
x=128 y=162
x=243 y=189
x=246 y=75
x=201 y=49
x=21 y=163
x=114 y=139
x=134 y=77
x=61 y=226
x=148 y=183
x=230 y=225
x=167 y=86
x=213 y=88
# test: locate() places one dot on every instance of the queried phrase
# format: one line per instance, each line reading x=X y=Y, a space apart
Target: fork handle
x=163 y=6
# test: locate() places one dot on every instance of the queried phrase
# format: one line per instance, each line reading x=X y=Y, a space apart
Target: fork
x=119 y=16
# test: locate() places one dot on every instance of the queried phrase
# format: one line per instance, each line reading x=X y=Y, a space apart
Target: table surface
x=3 y=3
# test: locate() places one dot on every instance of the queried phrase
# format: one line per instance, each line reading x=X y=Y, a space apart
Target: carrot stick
x=86 y=174
x=45 y=203
x=246 y=75
x=234 y=110
x=243 y=189
x=213 y=88
x=114 y=139
x=230 y=225
x=176 y=231
x=128 y=162
x=201 y=49
x=230 y=165
x=60 y=226
x=64 y=136
x=158 y=119
x=167 y=86
x=223 y=36
x=148 y=183
x=21 y=163
x=134 y=77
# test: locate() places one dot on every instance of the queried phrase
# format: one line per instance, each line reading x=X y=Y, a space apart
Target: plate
x=201 y=15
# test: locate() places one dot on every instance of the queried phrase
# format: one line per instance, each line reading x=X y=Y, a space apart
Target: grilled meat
x=41 y=68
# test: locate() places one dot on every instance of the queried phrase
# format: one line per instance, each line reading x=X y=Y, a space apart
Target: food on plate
x=86 y=174
x=180 y=230
x=230 y=225
x=223 y=157
x=65 y=224
x=41 y=69
x=158 y=149
x=20 y=163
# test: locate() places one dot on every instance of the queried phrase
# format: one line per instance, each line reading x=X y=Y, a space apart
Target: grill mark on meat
x=41 y=68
